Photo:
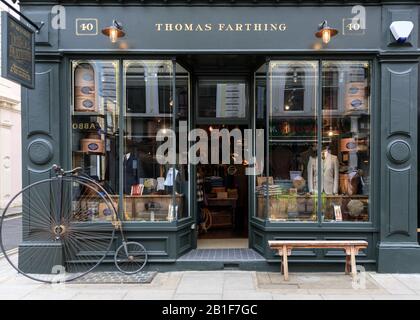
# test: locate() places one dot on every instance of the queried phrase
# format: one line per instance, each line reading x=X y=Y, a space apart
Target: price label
x=86 y=27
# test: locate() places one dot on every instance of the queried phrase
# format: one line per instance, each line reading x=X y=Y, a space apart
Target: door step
x=222 y=255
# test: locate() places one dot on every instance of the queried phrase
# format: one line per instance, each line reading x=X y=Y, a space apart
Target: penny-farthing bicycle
x=68 y=226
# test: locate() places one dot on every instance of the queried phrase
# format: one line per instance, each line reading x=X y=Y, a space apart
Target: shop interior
x=216 y=92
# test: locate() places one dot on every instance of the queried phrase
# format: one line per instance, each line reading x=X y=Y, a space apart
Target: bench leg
x=281 y=262
x=285 y=264
x=353 y=262
x=348 y=264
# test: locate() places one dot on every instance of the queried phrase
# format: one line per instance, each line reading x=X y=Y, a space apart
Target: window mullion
x=319 y=144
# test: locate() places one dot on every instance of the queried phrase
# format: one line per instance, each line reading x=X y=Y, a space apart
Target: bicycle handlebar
x=60 y=170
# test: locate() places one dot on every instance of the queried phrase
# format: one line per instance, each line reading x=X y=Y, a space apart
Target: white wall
x=10 y=138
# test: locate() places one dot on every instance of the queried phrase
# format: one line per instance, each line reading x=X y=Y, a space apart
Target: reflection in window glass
x=222 y=99
x=260 y=93
x=150 y=188
x=292 y=136
x=345 y=176
x=94 y=133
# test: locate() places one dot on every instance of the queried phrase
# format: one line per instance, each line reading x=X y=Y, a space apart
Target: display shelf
x=148 y=115
x=88 y=114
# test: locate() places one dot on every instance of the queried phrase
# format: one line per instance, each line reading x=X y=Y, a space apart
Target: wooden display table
x=220 y=219
x=151 y=207
x=351 y=247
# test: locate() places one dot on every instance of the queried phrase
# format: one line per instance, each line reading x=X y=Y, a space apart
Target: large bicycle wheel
x=57 y=230
x=130 y=257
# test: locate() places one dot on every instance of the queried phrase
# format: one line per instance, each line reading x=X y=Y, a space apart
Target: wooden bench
x=351 y=248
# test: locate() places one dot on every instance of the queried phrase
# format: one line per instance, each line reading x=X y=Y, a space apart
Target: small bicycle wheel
x=130 y=257
x=60 y=230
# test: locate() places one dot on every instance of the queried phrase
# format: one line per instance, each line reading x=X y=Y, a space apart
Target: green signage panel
x=18 y=51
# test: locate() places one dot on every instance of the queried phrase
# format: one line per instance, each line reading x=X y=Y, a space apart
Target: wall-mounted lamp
x=114 y=31
x=325 y=32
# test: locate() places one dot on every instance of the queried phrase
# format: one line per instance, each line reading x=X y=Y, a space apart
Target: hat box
x=355 y=97
x=93 y=144
x=348 y=145
x=84 y=89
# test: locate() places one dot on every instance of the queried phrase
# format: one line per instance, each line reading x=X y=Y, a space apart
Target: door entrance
x=222 y=186
x=222 y=197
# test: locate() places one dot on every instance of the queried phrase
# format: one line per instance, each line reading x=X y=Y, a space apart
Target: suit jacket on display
x=131 y=172
x=330 y=174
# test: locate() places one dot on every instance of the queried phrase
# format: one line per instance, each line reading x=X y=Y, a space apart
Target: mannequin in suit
x=329 y=176
x=132 y=171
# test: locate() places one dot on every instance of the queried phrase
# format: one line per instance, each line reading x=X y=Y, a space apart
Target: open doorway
x=222 y=103
x=222 y=197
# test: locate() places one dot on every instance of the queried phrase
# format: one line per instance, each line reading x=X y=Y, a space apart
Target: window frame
x=66 y=138
x=372 y=224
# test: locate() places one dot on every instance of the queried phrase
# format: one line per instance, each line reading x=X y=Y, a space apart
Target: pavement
x=221 y=285
x=12 y=232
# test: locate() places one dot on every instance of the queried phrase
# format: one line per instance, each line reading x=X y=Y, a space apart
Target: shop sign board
x=18 y=51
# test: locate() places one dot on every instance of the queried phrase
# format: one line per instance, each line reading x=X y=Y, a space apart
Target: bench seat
x=351 y=248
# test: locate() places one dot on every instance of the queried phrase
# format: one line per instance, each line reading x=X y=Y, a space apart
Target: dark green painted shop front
x=393 y=220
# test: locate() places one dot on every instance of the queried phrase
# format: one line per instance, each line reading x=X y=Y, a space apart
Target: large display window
x=95 y=117
x=155 y=98
x=318 y=166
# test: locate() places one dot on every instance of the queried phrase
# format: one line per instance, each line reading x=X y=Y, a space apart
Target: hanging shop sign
x=18 y=51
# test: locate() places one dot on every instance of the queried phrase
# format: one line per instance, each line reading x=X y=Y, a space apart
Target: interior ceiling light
x=114 y=31
x=325 y=32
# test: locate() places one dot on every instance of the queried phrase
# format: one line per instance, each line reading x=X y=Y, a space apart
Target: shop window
x=345 y=175
x=94 y=133
x=153 y=192
x=292 y=132
x=260 y=92
x=150 y=191
x=300 y=134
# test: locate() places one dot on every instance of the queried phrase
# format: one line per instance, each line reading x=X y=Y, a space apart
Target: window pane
x=150 y=187
x=95 y=132
x=182 y=182
x=292 y=140
x=222 y=99
x=345 y=165
x=260 y=94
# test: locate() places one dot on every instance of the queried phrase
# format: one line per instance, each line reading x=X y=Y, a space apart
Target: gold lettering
x=179 y=27
x=229 y=28
x=189 y=27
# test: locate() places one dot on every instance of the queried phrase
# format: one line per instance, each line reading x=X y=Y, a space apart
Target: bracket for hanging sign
x=36 y=26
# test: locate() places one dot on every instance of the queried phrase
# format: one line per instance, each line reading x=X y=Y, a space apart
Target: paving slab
x=246 y=295
x=197 y=297
x=345 y=297
x=391 y=284
x=277 y=296
x=239 y=282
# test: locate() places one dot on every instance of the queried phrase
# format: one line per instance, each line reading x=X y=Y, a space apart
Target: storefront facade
x=352 y=101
